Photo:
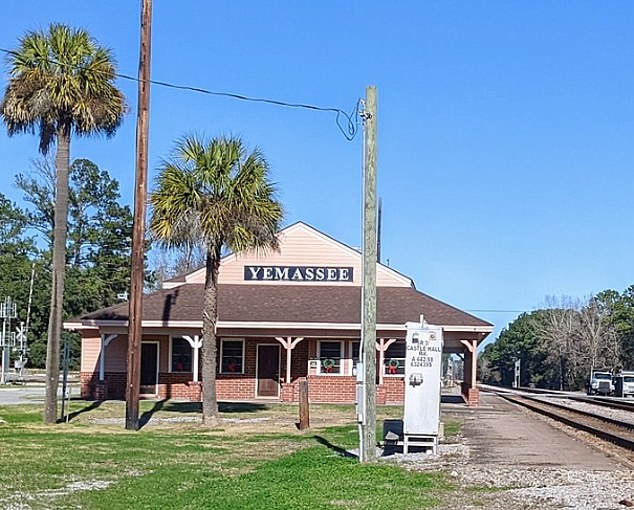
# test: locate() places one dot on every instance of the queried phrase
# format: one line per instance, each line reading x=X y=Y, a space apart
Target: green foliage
x=98 y=248
x=559 y=346
x=61 y=80
x=215 y=195
x=519 y=341
x=87 y=466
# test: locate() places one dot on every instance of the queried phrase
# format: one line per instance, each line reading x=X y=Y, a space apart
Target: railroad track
x=606 y=402
x=618 y=432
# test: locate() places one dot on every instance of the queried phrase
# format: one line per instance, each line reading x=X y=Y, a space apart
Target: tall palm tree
x=61 y=83
x=215 y=195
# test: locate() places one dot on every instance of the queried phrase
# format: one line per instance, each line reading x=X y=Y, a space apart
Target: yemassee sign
x=298 y=273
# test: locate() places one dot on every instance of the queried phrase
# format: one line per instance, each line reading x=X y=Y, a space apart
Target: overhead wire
x=349 y=128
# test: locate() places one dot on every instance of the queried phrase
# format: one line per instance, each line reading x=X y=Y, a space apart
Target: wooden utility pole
x=135 y=330
x=367 y=450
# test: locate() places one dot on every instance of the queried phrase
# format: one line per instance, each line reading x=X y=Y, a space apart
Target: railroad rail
x=618 y=432
x=605 y=402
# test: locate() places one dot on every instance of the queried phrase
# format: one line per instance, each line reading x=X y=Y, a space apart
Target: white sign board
x=423 y=367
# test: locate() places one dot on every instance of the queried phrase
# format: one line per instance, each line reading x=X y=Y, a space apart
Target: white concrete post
x=105 y=341
x=196 y=342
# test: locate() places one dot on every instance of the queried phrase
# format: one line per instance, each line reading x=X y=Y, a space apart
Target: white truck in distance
x=600 y=383
x=628 y=382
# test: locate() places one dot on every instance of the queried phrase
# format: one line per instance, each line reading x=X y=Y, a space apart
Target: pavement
x=499 y=432
x=30 y=393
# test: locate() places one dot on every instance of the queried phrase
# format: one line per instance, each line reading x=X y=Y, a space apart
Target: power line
x=349 y=129
x=498 y=311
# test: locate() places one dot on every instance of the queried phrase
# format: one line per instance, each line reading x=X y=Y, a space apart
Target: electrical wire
x=349 y=129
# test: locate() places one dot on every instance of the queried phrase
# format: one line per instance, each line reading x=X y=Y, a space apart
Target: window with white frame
x=231 y=356
x=181 y=355
x=330 y=356
x=355 y=352
x=394 y=359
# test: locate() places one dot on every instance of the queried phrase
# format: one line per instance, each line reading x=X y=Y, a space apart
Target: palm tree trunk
x=62 y=161
x=209 y=351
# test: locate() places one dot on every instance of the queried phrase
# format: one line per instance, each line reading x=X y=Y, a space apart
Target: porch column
x=196 y=342
x=105 y=341
x=470 y=371
x=289 y=343
x=382 y=345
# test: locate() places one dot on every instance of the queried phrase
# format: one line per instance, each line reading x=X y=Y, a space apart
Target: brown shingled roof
x=289 y=303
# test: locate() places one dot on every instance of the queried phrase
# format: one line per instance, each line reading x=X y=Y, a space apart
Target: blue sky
x=505 y=127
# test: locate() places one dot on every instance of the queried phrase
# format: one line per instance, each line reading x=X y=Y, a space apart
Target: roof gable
x=300 y=246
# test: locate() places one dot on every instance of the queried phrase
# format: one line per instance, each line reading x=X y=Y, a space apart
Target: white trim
x=103 y=345
x=342 y=357
x=243 y=360
x=196 y=342
x=92 y=324
x=350 y=357
x=158 y=362
x=257 y=366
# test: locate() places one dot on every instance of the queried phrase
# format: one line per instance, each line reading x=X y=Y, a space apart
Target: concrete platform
x=502 y=433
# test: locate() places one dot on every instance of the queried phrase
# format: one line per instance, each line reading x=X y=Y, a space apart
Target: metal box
x=423 y=367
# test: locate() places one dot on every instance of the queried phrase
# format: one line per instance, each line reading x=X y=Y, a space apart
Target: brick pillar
x=473 y=397
x=288 y=392
x=381 y=394
x=195 y=391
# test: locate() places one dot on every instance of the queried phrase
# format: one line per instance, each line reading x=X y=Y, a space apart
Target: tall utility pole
x=367 y=450
x=135 y=331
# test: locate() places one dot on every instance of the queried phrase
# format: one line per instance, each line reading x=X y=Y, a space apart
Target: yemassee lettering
x=298 y=273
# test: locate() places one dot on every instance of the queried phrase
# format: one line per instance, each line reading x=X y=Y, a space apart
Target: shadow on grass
x=337 y=449
x=147 y=415
x=90 y=407
x=197 y=408
x=241 y=407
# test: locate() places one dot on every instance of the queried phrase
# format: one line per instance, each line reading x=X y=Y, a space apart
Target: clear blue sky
x=506 y=128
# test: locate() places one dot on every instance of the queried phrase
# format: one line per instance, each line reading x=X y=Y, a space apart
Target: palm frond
x=217 y=194
x=61 y=79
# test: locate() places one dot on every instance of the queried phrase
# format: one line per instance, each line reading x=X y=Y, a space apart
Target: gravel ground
x=509 y=487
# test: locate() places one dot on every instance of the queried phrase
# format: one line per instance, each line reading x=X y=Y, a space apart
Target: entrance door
x=149 y=368
x=268 y=374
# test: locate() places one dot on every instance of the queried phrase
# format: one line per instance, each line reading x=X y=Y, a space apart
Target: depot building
x=283 y=316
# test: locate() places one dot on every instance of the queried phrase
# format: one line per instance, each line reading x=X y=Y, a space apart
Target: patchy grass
x=256 y=459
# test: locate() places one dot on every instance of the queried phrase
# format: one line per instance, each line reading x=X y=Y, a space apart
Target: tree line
x=559 y=344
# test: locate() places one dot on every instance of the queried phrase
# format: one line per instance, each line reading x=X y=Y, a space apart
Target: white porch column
x=472 y=346
x=105 y=341
x=196 y=342
x=289 y=343
x=382 y=345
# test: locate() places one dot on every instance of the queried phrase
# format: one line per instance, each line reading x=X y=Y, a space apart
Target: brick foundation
x=241 y=387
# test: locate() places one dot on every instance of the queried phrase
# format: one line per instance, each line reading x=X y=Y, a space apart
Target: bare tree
x=558 y=333
x=598 y=344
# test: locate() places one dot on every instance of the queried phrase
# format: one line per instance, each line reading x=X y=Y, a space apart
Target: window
x=330 y=354
x=354 y=351
x=232 y=356
x=181 y=355
x=394 y=359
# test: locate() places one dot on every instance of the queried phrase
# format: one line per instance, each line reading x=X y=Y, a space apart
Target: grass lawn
x=256 y=459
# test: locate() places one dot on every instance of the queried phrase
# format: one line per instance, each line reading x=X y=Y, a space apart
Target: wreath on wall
x=328 y=364
x=392 y=366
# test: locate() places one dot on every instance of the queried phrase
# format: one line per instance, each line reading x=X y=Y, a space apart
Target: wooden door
x=268 y=371
x=149 y=368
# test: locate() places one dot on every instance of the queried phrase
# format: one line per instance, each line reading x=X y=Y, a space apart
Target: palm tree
x=215 y=195
x=61 y=83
